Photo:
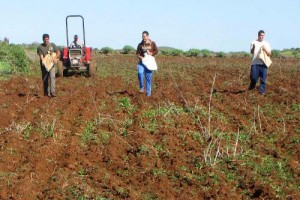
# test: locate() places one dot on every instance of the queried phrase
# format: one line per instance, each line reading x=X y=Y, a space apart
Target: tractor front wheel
x=60 y=69
x=92 y=69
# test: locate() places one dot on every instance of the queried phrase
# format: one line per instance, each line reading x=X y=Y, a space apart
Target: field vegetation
x=12 y=59
x=201 y=135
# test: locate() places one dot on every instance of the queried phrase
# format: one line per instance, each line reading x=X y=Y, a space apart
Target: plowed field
x=201 y=135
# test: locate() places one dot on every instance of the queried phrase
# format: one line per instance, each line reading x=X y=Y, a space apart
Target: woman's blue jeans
x=143 y=71
x=258 y=71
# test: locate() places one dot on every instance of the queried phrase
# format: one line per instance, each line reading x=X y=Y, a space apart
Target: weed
x=297 y=129
x=124 y=133
x=6 y=176
x=122 y=172
x=128 y=122
x=244 y=137
x=151 y=127
x=159 y=147
x=167 y=153
x=126 y=159
x=18 y=127
x=82 y=172
x=196 y=136
x=184 y=168
x=230 y=176
x=47 y=128
x=162 y=115
x=59 y=112
x=267 y=166
x=295 y=140
x=197 y=163
x=125 y=103
x=150 y=196
x=88 y=135
x=122 y=192
x=278 y=189
x=295 y=107
x=143 y=149
x=27 y=132
x=106 y=177
x=158 y=172
x=81 y=197
x=104 y=137
x=214 y=177
x=101 y=198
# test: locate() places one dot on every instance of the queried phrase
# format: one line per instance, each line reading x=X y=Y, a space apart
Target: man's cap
x=45 y=35
x=75 y=36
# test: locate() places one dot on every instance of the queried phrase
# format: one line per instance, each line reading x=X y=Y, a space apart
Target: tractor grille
x=75 y=53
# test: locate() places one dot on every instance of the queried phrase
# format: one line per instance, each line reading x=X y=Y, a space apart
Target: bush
x=205 y=53
x=240 y=54
x=15 y=56
x=176 y=52
x=128 y=49
x=192 y=52
x=5 y=68
x=172 y=52
x=166 y=52
x=275 y=53
x=221 y=54
x=107 y=50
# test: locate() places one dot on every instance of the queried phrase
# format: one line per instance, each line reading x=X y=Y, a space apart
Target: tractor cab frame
x=76 y=59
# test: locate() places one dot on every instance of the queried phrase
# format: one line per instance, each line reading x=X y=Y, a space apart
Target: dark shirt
x=143 y=47
x=45 y=49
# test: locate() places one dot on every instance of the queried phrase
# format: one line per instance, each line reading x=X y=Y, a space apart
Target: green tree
x=192 y=52
x=176 y=52
x=15 y=56
x=205 y=53
x=128 y=49
x=275 y=53
x=221 y=54
x=107 y=50
x=172 y=52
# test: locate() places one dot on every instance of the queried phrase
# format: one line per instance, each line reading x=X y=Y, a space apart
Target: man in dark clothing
x=47 y=48
x=76 y=44
x=258 y=67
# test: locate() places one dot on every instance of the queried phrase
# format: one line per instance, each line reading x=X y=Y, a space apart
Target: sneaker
x=250 y=88
x=141 y=91
x=53 y=95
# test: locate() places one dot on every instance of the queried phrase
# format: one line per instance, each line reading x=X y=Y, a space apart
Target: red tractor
x=78 y=58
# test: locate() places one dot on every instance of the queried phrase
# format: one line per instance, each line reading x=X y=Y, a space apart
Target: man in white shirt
x=258 y=68
x=76 y=44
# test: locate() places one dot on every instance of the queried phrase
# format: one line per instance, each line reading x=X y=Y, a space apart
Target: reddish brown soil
x=57 y=148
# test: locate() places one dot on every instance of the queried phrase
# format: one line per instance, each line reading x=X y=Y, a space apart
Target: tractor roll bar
x=82 y=27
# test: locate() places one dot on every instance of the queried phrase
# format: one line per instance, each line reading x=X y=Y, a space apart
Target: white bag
x=149 y=62
x=48 y=61
x=264 y=57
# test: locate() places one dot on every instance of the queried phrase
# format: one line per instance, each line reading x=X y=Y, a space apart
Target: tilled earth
x=201 y=135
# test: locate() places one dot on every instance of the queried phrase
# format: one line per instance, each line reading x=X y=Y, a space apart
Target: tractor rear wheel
x=91 y=69
x=66 y=72
x=60 y=69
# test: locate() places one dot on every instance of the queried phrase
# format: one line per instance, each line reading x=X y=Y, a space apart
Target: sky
x=216 y=25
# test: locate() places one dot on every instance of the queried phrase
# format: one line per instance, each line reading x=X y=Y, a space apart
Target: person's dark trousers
x=45 y=78
x=258 y=71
